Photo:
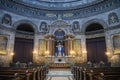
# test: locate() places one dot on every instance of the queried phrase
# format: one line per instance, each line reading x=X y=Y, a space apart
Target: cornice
x=57 y=5
x=33 y=12
x=115 y=27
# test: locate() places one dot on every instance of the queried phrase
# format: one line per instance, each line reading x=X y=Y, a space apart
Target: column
x=66 y=47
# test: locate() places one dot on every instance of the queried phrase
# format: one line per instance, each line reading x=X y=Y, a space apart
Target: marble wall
x=109 y=20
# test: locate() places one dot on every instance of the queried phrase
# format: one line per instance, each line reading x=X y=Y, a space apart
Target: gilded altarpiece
x=3 y=44
x=42 y=47
x=77 y=47
x=116 y=44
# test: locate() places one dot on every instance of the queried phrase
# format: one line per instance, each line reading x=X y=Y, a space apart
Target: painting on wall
x=42 y=47
x=77 y=46
x=116 y=44
x=3 y=44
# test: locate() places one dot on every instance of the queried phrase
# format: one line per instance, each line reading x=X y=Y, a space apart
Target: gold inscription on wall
x=42 y=47
x=3 y=44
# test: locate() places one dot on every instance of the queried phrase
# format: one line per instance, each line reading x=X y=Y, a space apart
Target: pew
x=30 y=73
x=13 y=76
x=108 y=76
x=89 y=73
x=93 y=73
x=38 y=73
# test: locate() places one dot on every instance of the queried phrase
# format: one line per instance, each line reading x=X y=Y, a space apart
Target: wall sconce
x=84 y=51
x=12 y=54
x=47 y=53
x=108 y=54
x=72 y=53
x=34 y=52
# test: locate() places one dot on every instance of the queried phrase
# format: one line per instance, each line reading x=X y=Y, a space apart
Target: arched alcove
x=96 y=46
x=59 y=34
x=59 y=41
x=94 y=27
x=24 y=41
x=25 y=27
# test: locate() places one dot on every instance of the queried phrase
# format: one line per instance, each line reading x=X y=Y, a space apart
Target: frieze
x=59 y=5
x=53 y=15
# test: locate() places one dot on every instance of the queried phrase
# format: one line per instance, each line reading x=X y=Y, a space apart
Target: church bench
x=108 y=76
x=13 y=76
x=30 y=73
x=27 y=76
x=90 y=72
x=38 y=73
x=77 y=71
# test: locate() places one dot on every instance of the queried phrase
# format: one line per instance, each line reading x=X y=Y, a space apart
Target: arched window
x=94 y=28
x=25 y=27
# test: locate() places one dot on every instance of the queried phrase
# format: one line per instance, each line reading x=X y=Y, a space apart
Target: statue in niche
x=43 y=27
x=6 y=19
x=59 y=50
x=76 y=27
x=113 y=18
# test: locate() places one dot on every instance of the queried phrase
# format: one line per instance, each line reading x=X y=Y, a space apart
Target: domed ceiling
x=59 y=9
x=58 y=4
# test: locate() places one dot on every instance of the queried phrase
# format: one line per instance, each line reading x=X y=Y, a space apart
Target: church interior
x=59 y=39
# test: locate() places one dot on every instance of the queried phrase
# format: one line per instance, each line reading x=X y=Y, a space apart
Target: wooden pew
x=108 y=76
x=34 y=73
x=30 y=73
x=14 y=76
x=89 y=73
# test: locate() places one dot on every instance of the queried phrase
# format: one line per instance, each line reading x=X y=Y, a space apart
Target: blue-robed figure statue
x=59 y=51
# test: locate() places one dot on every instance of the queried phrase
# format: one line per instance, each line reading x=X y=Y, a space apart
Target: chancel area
x=59 y=39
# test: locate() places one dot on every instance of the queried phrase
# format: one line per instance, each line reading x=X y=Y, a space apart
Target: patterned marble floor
x=59 y=74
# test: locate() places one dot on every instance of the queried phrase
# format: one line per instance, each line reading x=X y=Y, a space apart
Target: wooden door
x=96 y=49
x=23 y=50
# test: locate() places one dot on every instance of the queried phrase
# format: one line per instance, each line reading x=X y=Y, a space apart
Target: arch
x=59 y=33
x=16 y=24
x=94 y=27
x=65 y=31
x=99 y=21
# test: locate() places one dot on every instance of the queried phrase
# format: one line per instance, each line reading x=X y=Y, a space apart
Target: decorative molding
x=40 y=13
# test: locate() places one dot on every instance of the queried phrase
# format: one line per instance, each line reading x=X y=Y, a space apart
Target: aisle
x=59 y=74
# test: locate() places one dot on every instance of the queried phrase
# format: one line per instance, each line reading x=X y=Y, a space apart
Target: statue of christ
x=60 y=50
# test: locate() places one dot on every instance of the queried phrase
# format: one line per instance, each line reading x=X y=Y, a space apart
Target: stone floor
x=59 y=74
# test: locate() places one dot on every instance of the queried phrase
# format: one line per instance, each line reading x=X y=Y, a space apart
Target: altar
x=59 y=62
x=59 y=59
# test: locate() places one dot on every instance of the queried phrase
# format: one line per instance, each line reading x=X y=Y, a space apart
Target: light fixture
x=84 y=51
x=107 y=53
x=34 y=52
x=72 y=53
x=47 y=53
x=12 y=54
